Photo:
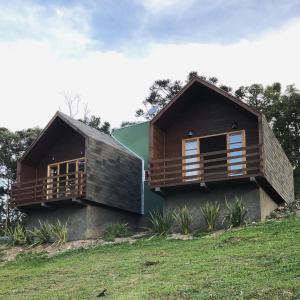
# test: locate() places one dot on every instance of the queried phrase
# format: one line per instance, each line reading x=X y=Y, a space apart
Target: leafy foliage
x=115 y=230
x=18 y=235
x=184 y=219
x=95 y=122
x=210 y=212
x=12 y=146
x=162 y=223
x=42 y=234
x=59 y=232
x=236 y=213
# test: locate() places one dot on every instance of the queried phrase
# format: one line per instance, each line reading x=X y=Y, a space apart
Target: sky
x=109 y=52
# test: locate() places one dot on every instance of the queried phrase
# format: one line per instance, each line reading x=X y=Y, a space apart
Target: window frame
x=198 y=139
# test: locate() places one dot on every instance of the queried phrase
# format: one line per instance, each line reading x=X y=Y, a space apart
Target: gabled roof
x=197 y=80
x=83 y=129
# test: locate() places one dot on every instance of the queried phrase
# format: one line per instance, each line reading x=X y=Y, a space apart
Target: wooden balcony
x=217 y=166
x=49 y=189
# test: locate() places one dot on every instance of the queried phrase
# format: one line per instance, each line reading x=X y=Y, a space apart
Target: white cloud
x=161 y=5
x=33 y=72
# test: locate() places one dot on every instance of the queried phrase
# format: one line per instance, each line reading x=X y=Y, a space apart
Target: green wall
x=136 y=138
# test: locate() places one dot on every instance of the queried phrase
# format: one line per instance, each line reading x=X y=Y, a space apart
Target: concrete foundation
x=257 y=202
x=84 y=222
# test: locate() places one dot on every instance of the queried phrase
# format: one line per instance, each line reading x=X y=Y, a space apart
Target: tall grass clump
x=162 y=223
x=59 y=232
x=184 y=218
x=50 y=233
x=236 y=213
x=42 y=234
x=115 y=230
x=210 y=212
x=18 y=235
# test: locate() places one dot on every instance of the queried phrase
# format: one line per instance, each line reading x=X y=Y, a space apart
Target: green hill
x=258 y=262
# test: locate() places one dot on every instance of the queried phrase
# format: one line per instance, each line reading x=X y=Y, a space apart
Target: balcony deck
x=217 y=166
x=49 y=189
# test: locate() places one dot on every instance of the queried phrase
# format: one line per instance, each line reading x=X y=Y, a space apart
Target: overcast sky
x=110 y=52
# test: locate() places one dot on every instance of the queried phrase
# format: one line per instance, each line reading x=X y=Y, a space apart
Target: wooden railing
x=206 y=167
x=64 y=186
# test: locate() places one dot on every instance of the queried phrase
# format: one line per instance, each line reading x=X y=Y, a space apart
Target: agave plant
x=236 y=213
x=59 y=232
x=162 y=223
x=42 y=234
x=184 y=219
x=210 y=212
x=18 y=235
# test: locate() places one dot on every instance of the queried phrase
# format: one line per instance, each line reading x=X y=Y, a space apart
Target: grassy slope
x=258 y=262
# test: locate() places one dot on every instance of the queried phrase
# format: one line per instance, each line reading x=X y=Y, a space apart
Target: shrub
x=59 y=232
x=18 y=236
x=236 y=213
x=115 y=230
x=210 y=212
x=184 y=219
x=42 y=234
x=161 y=222
x=50 y=233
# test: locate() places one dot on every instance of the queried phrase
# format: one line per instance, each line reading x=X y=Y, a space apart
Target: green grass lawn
x=257 y=262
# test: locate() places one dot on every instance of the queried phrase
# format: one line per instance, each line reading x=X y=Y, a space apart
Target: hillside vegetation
x=257 y=262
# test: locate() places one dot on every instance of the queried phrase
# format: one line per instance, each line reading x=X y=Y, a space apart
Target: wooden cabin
x=76 y=174
x=207 y=145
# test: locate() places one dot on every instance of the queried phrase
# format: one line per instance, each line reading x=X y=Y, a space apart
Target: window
x=236 y=160
x=216 y=164
x=191 y=147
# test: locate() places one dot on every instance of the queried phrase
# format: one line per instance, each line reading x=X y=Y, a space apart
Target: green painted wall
x=136 y=138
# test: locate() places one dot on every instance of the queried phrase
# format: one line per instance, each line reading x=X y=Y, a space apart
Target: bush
x=161 y=223
x=210 y=212
x=184 y=219
x=115 y=230
x=50 y=233
x=43 y=234
x=18 y=235
x=236 y=213
x=59 y=232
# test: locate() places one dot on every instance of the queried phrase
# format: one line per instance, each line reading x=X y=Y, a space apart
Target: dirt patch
x=179 y=236
x=52 y=249
x=232 y=240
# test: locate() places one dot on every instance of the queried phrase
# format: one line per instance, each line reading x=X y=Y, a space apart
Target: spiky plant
x=18 y=235
x=42 y=234
x=184 y=219
x=59 y=232
x=210 y=212
x=162 y=223
x=236 y=214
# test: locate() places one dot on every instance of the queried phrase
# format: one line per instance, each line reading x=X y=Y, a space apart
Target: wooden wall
x=277 y=168
x=67 y=145
x=114 y=177
x=205 y=113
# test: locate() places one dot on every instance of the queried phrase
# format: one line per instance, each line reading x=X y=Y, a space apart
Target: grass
x=256 y=262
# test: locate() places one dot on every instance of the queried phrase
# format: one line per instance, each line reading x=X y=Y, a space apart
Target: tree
x=12 y=146
x=128 y=123
x=73 y=101
x=282 y=110
x=95 y=122
x=162 y=91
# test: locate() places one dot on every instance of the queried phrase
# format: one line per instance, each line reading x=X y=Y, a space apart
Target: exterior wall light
x=190 y=133
x=234 y=125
